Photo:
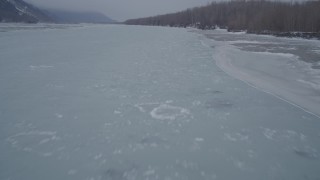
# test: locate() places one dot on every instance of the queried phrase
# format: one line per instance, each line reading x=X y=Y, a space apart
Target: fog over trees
x=253 y=16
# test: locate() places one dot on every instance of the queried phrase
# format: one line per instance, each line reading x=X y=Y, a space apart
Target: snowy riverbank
x=286 y=68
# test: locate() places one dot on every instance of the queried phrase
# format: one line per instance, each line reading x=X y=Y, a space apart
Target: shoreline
x=281 y=74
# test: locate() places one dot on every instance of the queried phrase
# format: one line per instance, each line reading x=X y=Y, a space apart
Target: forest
x=243 y=15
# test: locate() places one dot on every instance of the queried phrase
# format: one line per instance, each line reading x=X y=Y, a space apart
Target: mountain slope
x=20 y=11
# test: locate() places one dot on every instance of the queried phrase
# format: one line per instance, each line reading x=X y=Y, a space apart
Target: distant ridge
x=64 y=16
x=20 y=11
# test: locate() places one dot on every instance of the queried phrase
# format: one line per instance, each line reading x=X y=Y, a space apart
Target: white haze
x=122 y=9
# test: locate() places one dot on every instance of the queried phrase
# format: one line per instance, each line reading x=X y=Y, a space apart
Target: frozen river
x=98 y=102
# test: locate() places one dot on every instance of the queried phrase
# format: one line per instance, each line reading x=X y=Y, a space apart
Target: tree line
x=250 y=15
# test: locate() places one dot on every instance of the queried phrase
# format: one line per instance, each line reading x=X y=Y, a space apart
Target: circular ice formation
x=168 y=112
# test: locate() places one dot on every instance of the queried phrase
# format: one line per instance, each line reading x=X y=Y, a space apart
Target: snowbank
x=280 y=74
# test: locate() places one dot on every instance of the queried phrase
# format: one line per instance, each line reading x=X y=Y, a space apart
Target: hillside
x=20 y=11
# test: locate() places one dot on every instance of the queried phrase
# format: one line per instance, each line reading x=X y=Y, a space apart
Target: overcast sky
x=121 y=9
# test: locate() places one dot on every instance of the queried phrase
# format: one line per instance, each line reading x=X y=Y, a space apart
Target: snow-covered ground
x=286 y=68
x=98 y=102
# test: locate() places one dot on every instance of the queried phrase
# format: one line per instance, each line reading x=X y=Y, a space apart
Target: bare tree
x=251 y=15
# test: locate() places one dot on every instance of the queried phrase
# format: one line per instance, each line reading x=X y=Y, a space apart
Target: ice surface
x=107 y=102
